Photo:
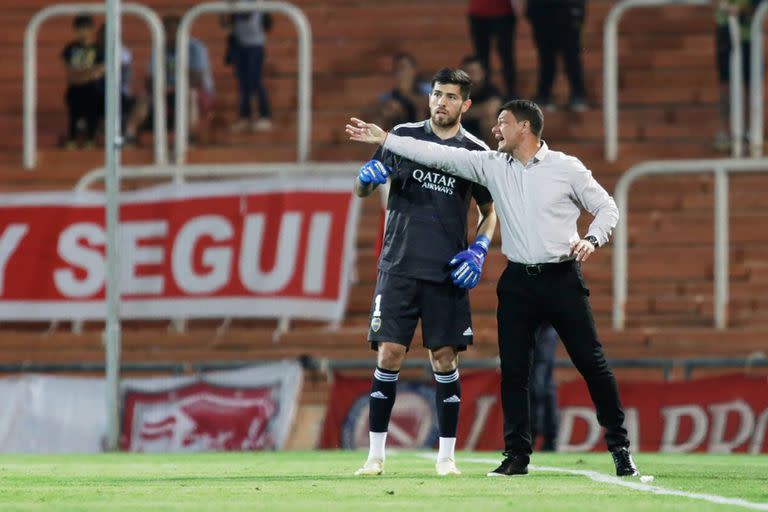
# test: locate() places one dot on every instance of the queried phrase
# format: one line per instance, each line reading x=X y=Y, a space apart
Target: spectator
x=486 y=101
x=543 y=390
x=245 y=50
x=201 y=90
x=495 y=18
x=403 y=104
x=557 y=27
x=743 y=10
x=127 y=101
x=84 y=60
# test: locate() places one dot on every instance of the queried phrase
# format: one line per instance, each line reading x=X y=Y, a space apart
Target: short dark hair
x=526 y=110
x=455 y=77
x=82 y=21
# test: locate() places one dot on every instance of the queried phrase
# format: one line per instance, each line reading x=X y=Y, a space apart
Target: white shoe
x=372 y=467
x=262 y=125
x=446 y=467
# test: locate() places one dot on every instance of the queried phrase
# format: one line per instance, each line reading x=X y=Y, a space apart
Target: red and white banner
x=272 y=247
x=716 y=415
x=246 y=409
x=250 y=409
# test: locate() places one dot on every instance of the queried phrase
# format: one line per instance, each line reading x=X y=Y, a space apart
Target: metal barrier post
x=304 y=111
x=665 y=167
x=30 y=73
x=611 y=67
x=757 y=74
x=736 y=89
x=721 y=248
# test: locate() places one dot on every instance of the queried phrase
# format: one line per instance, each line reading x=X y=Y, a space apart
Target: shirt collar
x=459 y=135
x=540 y=155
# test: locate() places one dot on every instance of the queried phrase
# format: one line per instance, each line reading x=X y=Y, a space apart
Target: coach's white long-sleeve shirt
x=538 y=202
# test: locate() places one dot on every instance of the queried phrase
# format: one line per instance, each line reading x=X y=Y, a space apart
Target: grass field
x=317 y=481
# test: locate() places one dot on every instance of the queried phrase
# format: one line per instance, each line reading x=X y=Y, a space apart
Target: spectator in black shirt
x=84 y=59
x=404 y=102
x=486 y=100
x=557 y=29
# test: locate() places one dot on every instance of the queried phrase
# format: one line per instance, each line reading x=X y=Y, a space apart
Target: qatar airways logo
x=435 y=181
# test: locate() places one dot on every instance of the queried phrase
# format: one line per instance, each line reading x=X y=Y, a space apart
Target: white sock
x=377 y=440
x=447 y=445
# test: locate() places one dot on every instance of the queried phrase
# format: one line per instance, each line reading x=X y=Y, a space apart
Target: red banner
x=716 y=415
x=273 y=247
x=245 y=409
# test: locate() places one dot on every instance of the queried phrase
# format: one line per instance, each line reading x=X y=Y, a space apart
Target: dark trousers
x=556 y=295
x=249 y=61
x=557 y=30
x=543 y=390
x=482 y=29
x=83 y=103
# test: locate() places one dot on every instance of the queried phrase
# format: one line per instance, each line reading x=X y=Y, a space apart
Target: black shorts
x=399 y=302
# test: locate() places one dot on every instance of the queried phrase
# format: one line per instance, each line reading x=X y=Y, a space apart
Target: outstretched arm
x=457 y=161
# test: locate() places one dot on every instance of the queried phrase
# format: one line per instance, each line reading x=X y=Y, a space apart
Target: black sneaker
x=512 y=465
x=625 y=466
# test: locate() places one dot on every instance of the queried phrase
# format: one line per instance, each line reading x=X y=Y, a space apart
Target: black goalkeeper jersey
x=427 y=209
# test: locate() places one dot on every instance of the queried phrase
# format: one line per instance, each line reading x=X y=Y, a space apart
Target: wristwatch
x=593 y=240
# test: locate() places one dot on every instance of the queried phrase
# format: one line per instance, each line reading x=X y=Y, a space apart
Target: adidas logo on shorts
x=468 y=332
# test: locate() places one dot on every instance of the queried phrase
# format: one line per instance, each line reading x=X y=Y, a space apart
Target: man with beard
x=540 y=193
x=424 y=249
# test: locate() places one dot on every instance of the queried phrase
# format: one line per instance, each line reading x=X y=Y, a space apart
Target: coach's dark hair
x=526 y=110
x=455 y=77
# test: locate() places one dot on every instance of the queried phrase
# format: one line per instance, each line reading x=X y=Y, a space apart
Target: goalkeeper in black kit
x=426 y=267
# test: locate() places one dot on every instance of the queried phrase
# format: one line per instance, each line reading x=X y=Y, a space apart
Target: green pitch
x=319 y=481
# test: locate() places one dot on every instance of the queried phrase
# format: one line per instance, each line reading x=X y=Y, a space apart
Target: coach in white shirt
x=538 y=194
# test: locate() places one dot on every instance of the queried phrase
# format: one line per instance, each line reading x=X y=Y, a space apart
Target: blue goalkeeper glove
x=374 y=172
x=469 y=263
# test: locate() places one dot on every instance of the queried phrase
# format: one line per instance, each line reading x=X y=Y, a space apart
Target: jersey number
x=377 y=305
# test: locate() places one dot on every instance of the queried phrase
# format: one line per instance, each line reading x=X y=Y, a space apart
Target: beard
x=446 y=120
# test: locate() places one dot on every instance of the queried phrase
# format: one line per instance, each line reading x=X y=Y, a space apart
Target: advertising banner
x=262 y=248
x=716 y=415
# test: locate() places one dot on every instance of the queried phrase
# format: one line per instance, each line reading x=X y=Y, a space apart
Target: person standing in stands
x=743 y=10
x=245 y=51
x=486 y=100
x=557 y=30
x=489 y=19
x=201 y=87
x=84 y=59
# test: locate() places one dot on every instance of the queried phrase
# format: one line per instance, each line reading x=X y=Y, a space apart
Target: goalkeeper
x=425 y=269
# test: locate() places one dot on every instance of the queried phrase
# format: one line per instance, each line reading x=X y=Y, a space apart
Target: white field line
x=624 y=482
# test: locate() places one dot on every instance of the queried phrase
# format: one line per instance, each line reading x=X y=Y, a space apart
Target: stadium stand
x=668 y=102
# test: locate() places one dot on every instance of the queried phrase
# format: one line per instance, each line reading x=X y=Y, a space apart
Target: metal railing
x=30 y=72
x=757 y=73
x=611 y=66
x=721 y=168
x=304 y=111
x=736 y=89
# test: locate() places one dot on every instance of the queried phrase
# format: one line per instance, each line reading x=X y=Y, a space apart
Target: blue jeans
x=249 y=61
